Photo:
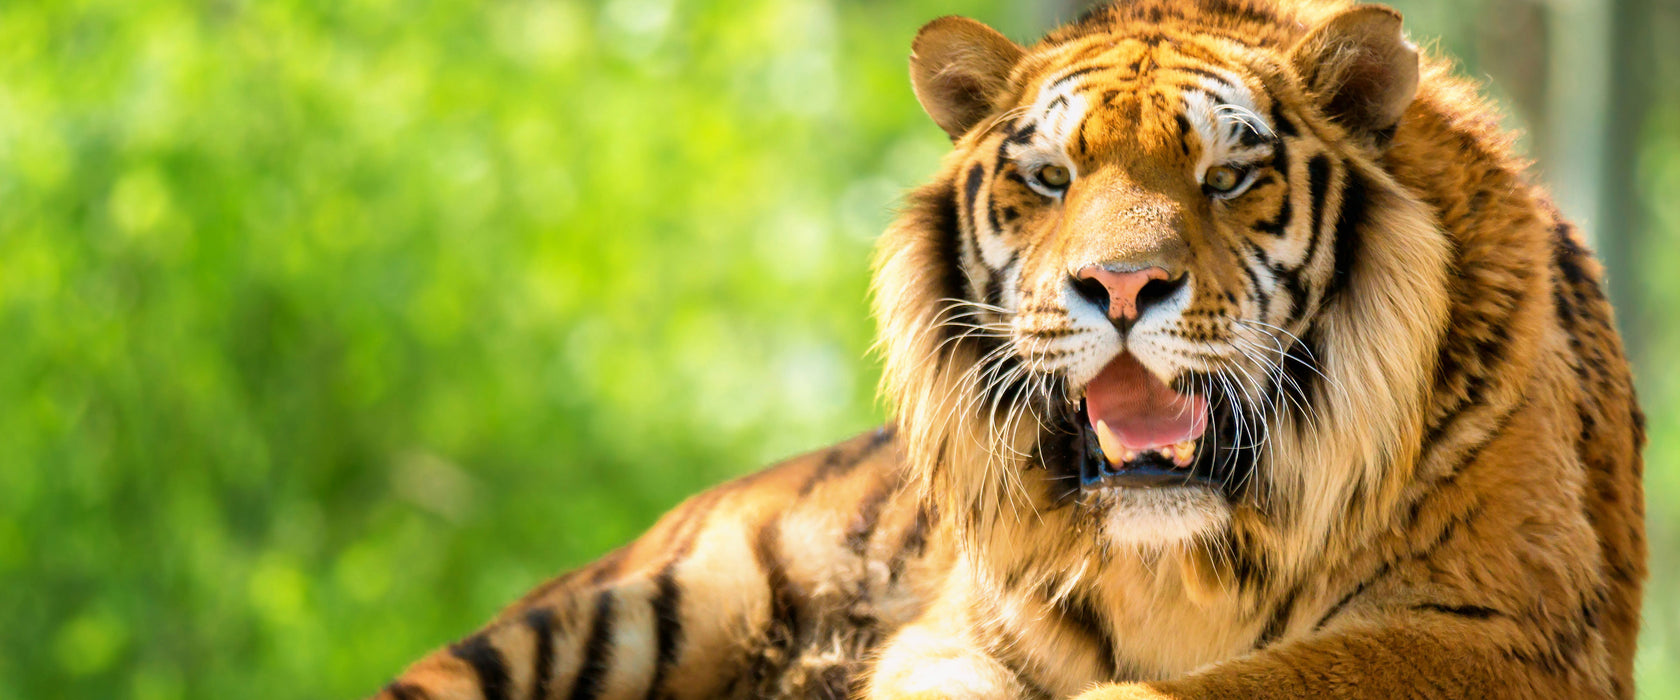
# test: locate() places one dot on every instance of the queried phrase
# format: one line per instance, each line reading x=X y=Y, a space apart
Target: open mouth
x=1134 y=430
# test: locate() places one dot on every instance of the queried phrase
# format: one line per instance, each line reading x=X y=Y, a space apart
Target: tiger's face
x=1139 y=233
x=1147 y=231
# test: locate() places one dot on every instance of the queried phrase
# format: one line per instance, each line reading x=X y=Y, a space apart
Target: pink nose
x=1123 y=287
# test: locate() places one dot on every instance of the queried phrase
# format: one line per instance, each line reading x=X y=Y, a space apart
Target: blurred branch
x=1580 y=73
x=1511 y=45
x=1633 y=53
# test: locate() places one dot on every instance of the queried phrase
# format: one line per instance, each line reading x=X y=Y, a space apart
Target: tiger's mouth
x=1132 y=430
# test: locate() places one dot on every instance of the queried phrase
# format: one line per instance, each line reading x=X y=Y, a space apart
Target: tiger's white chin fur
x=1154 y=518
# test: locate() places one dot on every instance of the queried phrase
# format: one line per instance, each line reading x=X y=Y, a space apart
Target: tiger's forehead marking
x=1139 y=96
x=1224 y=115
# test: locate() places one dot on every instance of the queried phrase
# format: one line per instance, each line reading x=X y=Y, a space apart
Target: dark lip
x=1148 y=471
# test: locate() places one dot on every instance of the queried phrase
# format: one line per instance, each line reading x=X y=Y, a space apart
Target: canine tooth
x=1183 y=451
x=1110 y=445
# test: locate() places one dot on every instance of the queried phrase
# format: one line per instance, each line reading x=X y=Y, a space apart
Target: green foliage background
x=329 y=328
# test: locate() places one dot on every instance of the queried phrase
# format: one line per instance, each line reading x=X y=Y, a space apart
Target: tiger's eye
x=1222 y=178
x=1054 y=176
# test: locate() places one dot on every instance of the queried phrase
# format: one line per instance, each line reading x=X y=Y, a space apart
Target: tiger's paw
x=1127 y=691
x=948 y=679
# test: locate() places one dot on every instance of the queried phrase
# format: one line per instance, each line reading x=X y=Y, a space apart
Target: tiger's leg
x=1397 y=659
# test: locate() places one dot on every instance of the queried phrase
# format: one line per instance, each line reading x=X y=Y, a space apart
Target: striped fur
x=1427 y=450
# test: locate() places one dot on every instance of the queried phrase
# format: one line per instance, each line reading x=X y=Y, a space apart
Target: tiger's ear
x=1360 y=68
x=958 y=67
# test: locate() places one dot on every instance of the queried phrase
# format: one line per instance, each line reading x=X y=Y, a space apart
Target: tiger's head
x=1164 y=284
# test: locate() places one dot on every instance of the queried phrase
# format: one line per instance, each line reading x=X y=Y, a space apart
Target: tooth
x=1110 y=444
x=1183 y=451
x=1129 y=456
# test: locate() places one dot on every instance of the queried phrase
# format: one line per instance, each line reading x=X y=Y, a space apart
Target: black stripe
x=1251 y=255
x=1474 y=612
x=1205 y=73
x=404 y=691
x=1454 y=526
x=1078 y=610
x=868 y=517
x=690 y=520
x=785 y=624
x=1318 y=187
x=1248 y=136
x=971 y=186
x=541 y=622
x=487 y=663
x=1279 y=623
x=667 y=601
x=597 y=650
x=1346 y=599
x=667 y=628
x=784 y=608
x=1354 y=202
x=838 y=463
x=1571 y=257
x=1301 y=367
x=1019 y=136
x=976 y=177
x=1291 y=281
x=1472 y=452
x=971 y=194
x=607 y=567
x=1074 y=74
x=914 y=544
x=940 y=204
x=1281 y=123
x=994 y=282
x=1278 y=225
x=1249 y=566
x=834 y=463
x=1184 y=131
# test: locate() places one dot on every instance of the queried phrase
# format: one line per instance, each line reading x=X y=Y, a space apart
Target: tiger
x=1232 y=354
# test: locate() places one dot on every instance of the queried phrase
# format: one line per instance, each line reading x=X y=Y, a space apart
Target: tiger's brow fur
x=1442 y=494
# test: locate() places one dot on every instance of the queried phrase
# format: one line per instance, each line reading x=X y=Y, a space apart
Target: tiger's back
x=777 y=584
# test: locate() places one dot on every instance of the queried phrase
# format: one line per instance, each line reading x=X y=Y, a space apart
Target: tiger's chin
x=1160 y=517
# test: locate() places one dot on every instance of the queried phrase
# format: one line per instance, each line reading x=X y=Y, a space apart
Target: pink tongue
x=1141 y=410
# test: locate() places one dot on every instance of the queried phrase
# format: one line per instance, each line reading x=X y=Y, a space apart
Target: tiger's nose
x=1125 y=295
